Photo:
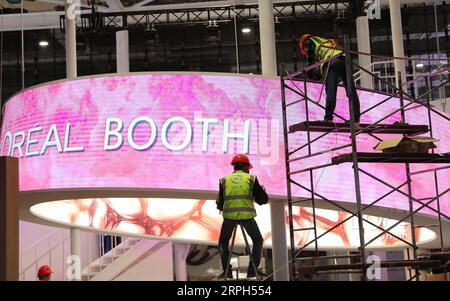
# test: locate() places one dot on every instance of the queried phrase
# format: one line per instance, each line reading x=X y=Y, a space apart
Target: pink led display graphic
x=197 y=221
x=180 y=131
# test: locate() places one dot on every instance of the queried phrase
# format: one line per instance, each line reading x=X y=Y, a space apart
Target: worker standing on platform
x=235 y=200
x=318 y=49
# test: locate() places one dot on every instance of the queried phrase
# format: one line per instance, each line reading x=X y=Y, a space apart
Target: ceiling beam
x=31 y=21
x=48 y=20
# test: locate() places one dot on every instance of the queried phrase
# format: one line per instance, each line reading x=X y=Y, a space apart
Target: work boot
x=222 y=276
x=251 y=273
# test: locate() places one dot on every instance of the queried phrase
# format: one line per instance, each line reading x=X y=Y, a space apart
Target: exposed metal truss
x=141 y=13
x=288 y=10
x=45 y=14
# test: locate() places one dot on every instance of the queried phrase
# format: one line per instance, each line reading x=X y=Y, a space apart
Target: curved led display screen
x=197 y=221
x=180 y=131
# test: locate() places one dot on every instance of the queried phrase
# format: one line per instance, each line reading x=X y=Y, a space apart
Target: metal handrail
x=36 y=258
x=40 y=240
x=43 y=255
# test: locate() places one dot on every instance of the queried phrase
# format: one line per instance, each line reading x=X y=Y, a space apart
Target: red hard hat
x=241 y=158
x=44 y=271
x=303 y=49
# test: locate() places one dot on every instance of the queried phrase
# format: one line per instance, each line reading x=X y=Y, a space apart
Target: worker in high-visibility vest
x=235 y=200
x=318 y=49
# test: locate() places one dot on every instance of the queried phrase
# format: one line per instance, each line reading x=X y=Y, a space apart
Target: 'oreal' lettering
x=175 y=134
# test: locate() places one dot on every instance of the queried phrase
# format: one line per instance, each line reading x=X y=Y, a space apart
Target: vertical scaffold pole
x=349 y=73
x=288 y=171
x=311 y=173
x=436 y=183
x=408 y=179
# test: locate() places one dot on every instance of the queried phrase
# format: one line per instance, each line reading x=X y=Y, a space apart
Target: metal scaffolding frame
x=292 y=82
x=201 y=15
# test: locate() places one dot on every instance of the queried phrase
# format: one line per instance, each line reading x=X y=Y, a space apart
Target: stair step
x=108 y=258
x=131 y=242
x=112 y=255
x=103 y=261
x=93 y=268
x=85 y=277
x=117 y=252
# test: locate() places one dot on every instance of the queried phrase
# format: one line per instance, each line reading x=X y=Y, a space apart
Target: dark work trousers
x=251 y=227
x=336 y=73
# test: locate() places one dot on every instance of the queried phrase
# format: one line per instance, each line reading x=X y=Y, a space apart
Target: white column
x=267 y=37
x=71 y=39
x=363 y=37
x=180 y=252
x=75 y=251
x=279 y=242
x=269 y=68
x=75 y=242
x=397 y=39
x=122 y=52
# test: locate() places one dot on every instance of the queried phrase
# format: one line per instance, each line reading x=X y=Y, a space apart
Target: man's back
x=258 y=192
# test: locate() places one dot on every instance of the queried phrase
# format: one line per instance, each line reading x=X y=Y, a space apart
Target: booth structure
x=9 y=222
x=140 y=154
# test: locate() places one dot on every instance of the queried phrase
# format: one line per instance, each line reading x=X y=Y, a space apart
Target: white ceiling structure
x=42 y=14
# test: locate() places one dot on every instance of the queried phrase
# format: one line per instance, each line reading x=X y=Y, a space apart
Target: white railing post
x=381 y=69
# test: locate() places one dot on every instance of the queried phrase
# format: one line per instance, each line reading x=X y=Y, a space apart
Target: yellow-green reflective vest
x=238 y=196
x=323 y=53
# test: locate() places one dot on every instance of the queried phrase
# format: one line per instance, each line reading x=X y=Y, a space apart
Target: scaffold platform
x=392 y=158
x=356 y=267
x=324 y=127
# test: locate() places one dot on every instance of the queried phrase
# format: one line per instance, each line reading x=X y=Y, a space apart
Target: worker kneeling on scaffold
x=318 y=49
x=235 y=200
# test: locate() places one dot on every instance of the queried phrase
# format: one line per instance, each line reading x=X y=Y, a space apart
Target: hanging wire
x=236 y=39
x=437 y=32
x=22 y=44
x=442 y=89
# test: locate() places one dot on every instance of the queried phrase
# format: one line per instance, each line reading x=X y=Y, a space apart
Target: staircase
x=51 y=249
x=120 y=259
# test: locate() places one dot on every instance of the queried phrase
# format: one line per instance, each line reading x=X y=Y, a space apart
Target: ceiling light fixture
x=43 y=43
x=213 y=34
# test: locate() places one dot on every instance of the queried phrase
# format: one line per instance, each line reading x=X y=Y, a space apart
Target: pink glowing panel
x=198 y=221
x=180 y=131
